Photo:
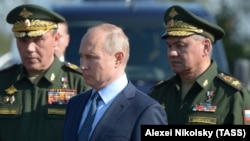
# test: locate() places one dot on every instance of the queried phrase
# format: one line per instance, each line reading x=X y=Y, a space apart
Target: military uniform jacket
x=214 y=98
x=30 y=112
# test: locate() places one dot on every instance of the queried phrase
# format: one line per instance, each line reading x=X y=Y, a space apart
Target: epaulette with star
x=155 y=86
x=73 y=67
x=162 y=82
x=230 y=80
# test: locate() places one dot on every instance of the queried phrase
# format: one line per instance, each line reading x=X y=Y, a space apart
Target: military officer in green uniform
x=198 y=93
x=34 y=94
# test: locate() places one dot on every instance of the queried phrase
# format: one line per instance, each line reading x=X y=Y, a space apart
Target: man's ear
x=119 y=57
x=207 y=46
x=56 y=39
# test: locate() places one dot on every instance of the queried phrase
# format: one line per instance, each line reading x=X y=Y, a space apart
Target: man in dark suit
x=122 y=108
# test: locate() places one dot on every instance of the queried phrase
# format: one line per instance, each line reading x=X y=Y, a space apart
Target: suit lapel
x=116 y=109
x=78 y=107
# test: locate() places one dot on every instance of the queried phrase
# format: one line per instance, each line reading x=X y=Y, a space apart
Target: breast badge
x=60 y=96
x=64 y=82
x=11 y=90
x=11 y=97
x=206 y=106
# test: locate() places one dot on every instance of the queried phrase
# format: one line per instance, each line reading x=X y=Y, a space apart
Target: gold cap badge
x=25 y=13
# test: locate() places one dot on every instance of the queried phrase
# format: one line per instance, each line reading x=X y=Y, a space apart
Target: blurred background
x=232 y=15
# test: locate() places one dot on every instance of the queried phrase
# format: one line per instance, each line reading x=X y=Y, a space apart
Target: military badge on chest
x=60 y=96
x=206 y=106
x=64 y=82
x=10 y=98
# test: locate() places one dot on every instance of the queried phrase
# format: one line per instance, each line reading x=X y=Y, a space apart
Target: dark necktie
x=87 y=125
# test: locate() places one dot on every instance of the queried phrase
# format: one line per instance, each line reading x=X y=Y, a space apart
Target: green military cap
x=31 y=20
x=181 y=22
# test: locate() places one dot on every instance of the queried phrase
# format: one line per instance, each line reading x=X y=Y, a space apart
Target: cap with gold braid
x=32 y=20
x=181 y=22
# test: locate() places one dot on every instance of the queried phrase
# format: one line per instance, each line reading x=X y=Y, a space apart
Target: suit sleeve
x=152 y=115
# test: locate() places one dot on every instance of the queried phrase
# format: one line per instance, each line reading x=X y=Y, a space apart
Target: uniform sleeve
x=241 y=107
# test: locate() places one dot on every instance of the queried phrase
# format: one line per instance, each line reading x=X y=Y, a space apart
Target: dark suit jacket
x=122 y=120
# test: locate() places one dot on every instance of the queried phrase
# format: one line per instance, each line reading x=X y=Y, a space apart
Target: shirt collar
x=112 y=90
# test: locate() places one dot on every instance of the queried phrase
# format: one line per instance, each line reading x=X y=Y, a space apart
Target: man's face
x=37 y=53
x=185 y=54
x=97 y=65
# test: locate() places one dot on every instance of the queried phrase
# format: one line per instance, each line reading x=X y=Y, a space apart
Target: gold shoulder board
x=230 y=80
